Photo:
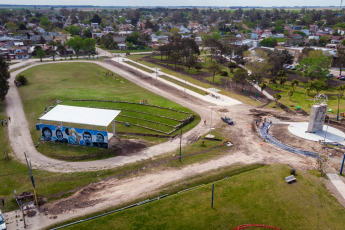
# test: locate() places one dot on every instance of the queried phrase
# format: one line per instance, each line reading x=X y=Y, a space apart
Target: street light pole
x=211 y=123
x=324 y=139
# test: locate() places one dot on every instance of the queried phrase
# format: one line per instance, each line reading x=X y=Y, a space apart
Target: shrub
x=224 y=74
x=21 y=79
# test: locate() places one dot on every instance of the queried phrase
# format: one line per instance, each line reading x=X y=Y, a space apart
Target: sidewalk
x=222 y=100
x=334 y=177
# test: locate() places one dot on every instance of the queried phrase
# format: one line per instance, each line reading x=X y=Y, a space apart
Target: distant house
x=254 y=36
x=296 y=27
x=97 y=35
x=94 y=25
x=122 y=46
x=314 y=37
x=108 y=28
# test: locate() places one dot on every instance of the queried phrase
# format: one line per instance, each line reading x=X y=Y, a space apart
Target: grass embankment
x=260 y=196
x=300 y=97
x=67 y=81
x=138 y=58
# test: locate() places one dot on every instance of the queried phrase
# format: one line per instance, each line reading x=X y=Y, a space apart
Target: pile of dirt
x=260 y=113
x=126 y=147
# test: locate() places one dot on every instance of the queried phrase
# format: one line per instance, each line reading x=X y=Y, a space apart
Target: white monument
x=318 y=113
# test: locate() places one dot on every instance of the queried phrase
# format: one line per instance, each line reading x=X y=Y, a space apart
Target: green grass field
x=67 y=81
x=300 y=98
x=260 y=196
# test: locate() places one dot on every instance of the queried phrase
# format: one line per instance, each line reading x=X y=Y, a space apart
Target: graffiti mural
x=74 y=136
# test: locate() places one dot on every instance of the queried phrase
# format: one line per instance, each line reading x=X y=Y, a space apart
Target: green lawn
x=260 y=196
x=300 y=98
x=67 y=81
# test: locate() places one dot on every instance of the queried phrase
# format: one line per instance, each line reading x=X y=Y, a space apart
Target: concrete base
x=209 y=136
x=333 y=135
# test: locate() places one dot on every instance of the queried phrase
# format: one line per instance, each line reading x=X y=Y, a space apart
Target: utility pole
x=211 y=123
x=32 y=179
x=179 y=158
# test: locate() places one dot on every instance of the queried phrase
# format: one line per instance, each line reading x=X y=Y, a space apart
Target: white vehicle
x=2 y=222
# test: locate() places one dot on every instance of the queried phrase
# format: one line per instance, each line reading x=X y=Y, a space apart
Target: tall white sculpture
x=318 y=113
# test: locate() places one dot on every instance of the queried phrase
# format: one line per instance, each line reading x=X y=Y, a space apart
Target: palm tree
x=341 y=89
x=294 y=83
x=277 y=97
x=262 y=86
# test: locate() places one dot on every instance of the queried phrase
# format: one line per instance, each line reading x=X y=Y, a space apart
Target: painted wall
x=74 y=136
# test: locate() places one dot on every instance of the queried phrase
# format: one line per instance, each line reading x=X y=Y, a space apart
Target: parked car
x=340 y=76
x=2 y=222
x=228 y=120
x=285 y=66
x=329 y=75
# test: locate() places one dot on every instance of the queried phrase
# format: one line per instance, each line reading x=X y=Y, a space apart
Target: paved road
x=21 y=141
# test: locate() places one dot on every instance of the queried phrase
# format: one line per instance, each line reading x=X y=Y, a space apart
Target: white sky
x=265 y=3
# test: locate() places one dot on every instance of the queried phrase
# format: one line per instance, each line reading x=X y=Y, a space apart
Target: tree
x=96 y=19
x=341 y=89
x=269 y=42
x=89 y=45
x=53 y=55
x=4 y=76
x=340 y=59
x=87 y=33
x=323 y=40
x=214 y=68
x=74 y=30
x=319 y=85
x=281 y=76
x=290 y=93
x=42 y=40
x=277 y=97
x=315 y=66
x=40 y=53
x=241 y=76
x=175 y=56
x=44 y=22
x=232 y=66
x=61 y=49
x=262 y=86
x=11 y=26
x=21 y=79
x=76 y=43
x=294 y=83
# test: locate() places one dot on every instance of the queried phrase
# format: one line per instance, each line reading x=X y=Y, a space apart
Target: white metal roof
x=81 y=115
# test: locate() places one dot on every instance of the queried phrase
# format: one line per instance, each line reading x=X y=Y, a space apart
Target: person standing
x=2 y=200
x=9 y=119
x=2 y=122
x=5 y=121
